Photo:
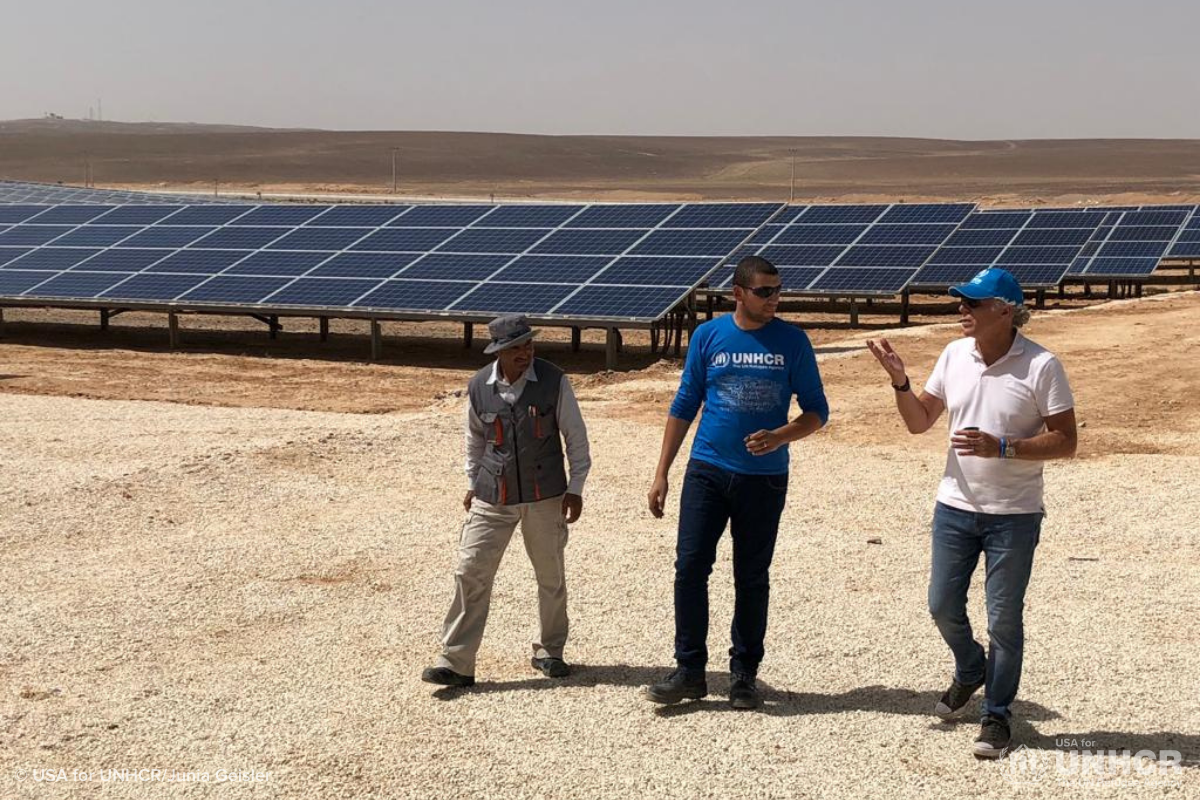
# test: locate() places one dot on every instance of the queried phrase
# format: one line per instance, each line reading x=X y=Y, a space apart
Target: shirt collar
x=1018 y=347
x=530 y=373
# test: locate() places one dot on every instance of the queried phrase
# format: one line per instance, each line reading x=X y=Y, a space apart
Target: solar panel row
x=27 y=192
x=867 y=249
x=598 y=261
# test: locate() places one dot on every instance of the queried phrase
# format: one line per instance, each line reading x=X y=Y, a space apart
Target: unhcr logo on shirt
x=769 y=360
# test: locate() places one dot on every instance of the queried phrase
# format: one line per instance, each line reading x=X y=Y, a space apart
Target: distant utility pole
x=87 y=170
x=216 y=183
x=394 y=184
x=792 y=192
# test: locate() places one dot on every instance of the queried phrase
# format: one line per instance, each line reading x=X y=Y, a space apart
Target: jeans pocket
x=778 y=483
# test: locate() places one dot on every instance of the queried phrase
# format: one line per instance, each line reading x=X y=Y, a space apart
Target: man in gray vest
x=519 y=411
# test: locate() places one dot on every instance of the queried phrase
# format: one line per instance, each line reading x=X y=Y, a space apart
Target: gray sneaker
x=995 y=735
x=955 y=699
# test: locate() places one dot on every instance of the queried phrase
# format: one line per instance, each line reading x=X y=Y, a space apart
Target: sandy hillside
x=512 y=166
x=214 y=562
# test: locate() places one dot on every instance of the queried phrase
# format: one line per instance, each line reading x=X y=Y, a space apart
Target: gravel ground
x=194 y=589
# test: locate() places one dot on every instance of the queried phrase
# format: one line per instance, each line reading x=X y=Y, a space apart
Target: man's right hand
x=467 y=500
x=658 y=496
x=888 y=359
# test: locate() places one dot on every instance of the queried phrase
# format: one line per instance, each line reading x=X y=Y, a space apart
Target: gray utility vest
x=523 y=459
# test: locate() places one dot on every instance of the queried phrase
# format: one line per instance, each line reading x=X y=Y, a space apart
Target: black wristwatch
x=905 y=386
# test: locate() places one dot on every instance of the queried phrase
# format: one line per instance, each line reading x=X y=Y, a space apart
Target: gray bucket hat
x=508 y=331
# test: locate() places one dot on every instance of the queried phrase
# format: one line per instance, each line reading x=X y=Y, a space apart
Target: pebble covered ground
x=195 y=589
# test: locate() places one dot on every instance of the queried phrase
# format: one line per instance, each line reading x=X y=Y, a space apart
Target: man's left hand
x=975 y=443
x=762 y=442
x=572 y=507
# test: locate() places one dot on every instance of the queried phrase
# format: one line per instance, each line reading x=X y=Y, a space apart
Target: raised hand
x=888 y=358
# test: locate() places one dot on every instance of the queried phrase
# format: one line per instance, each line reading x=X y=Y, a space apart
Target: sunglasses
x=763 y=291
x=971 y=302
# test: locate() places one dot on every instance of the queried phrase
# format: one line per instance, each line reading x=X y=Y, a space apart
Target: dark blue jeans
x=751 y=505
x=1007 y=542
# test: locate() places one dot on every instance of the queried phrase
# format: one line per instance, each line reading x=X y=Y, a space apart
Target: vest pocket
x=489 y=481
x=545 y=422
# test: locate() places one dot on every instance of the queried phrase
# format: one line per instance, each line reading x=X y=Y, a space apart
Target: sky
x=998 y=69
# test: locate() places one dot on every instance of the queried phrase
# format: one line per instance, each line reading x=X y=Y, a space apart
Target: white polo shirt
x=1010 y=398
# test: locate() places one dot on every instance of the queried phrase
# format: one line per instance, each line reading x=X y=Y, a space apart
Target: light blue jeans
x=1007 y=542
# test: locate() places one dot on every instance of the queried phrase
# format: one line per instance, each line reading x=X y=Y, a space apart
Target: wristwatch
x=1009 y=448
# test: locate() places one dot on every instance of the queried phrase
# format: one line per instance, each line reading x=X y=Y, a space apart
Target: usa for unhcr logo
x=769 y=360
x=1075 y=766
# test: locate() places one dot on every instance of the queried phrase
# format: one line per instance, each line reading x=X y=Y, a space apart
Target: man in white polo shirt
x=1010 y=409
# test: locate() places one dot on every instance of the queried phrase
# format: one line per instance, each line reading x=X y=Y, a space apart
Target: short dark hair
x=750 y=266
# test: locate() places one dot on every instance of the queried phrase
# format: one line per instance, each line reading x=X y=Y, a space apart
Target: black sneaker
x=743 y=692
x=994 y=737
x=679 y=685
x=955 y=699
x=444 y=676
x=551 y=667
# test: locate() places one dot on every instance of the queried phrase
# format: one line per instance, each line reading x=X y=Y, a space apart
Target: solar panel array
x=860 y=250
x=1130 y=244
x=25 y=192
x=1037 y=247
x=1187 y=245
x=619 y=262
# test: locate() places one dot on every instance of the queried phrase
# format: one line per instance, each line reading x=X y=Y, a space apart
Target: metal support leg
x=1 y=321
x=324 y=321
x=678 y=333
x=610 y=349
x=376 y=340
x=853 y=313
x=709 y=304
x=904 y=307
x=468 y=335
x=576 y=338
x=1062 y=291
x=1139 y=290
x=173 y=329
x=273 y=326
x=103 y=320
x=1041 y=298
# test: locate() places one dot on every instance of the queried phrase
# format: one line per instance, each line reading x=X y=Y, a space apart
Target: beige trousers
x=485 y=535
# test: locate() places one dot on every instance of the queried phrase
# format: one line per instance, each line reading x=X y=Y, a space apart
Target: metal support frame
x=173 y=329
x=104 y=317
x=904 y=300
x=1041 y=298
x=1 y=321
x=710 y=305
x=376 y=339
x=853 y=313
x=468 y=335
x=324 y=327
x=576 y=338
x=610 y=348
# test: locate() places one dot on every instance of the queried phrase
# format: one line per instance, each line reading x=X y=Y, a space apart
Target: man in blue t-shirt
x=744 y=369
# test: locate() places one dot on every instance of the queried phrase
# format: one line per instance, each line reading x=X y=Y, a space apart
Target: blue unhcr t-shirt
x=746 y=380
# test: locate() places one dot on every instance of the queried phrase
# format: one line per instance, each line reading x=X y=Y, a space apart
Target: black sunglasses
x=971 y=302
x=763 y=291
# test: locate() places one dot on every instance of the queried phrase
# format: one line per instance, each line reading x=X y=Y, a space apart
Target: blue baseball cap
x=991 y=282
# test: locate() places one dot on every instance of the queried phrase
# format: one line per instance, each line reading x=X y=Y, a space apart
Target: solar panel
x=1037 y=247
x=869 y=249
x=1133 y=245
x=452 y=260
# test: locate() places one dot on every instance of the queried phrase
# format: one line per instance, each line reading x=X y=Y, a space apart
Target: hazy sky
x=964 y=69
